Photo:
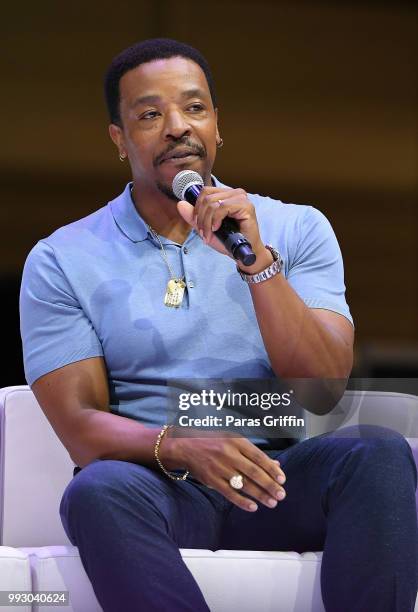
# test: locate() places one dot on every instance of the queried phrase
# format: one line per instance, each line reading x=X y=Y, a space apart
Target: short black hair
x=141 y=53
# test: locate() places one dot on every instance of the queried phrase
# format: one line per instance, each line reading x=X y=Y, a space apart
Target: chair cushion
x=15 y=574
x=230 y=580
x=35 y=468
x=59 y=568
x=257 y=580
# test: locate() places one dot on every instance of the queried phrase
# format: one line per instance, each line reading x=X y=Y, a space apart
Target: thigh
x=299 y=522
x=125 y=494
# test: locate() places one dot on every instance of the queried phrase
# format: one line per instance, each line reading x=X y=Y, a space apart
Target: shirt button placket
x=190 y=283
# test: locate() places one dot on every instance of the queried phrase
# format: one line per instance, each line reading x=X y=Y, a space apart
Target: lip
x=177 y=161
x=185 y=153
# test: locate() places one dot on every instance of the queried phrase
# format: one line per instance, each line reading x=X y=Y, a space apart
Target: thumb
x=185 y=210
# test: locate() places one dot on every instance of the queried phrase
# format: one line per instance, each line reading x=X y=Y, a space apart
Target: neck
x=161 y=214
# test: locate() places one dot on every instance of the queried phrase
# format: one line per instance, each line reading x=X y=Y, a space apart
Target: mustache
x=196 y=148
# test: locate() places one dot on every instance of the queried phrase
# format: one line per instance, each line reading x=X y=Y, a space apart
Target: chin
x=167 y=190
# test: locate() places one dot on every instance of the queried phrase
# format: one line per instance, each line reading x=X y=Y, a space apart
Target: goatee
x=167 y=191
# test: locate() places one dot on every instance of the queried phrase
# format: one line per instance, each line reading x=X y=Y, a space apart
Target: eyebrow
x=154 y=98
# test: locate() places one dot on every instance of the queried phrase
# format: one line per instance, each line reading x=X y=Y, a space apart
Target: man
x=100 y=344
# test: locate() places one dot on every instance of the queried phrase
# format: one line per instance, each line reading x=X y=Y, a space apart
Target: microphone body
x=187 y=185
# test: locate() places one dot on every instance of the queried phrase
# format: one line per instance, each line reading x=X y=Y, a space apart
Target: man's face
x=168 y=122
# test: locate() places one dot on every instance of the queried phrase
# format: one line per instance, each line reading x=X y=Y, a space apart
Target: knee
x=96 y=486
x=387 y=449
x=94 y=481
x=99 y=491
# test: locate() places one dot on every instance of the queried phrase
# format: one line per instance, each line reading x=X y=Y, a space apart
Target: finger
x=233 y=496
x=204 y=218
x=209 y=197
x=257 y=483
x=252 y=489
x=186 y=211
x=282 y=475
x=212 y=192
x=217 y=477
x=212 y=209
x=260 y=459
x=208 y=216
x=219 y=215
x=260 y=484
x=237 y=208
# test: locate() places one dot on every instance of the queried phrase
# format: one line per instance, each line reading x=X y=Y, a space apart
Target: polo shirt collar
x=128 y=219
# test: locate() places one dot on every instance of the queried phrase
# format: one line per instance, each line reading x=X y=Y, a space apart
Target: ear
x=217 y=130
x=116 y=135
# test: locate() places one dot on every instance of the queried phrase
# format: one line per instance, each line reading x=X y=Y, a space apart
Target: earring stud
x=122 y=157
x=220 y=144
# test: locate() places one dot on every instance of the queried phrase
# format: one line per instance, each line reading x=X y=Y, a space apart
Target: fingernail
x=281 y=495
x=253 y=507
x=272 y=503
x=281 y=478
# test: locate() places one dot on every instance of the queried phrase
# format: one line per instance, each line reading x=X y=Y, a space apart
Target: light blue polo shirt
x=96 y=288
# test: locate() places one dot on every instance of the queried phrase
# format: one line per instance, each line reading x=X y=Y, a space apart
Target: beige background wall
x=317 y=102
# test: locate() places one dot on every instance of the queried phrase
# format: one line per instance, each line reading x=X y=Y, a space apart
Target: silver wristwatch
x=272 y=270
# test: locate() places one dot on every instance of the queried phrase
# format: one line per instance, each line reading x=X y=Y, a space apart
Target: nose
x=176 y=125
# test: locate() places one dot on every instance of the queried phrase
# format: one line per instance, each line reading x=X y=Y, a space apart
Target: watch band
x=267 y=273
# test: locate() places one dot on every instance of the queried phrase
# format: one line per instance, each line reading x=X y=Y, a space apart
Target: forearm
x=298 y=343
x=104 y=435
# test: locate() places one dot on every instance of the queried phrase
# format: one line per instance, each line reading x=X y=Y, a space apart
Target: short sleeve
x=55 y=330
x=316 y=270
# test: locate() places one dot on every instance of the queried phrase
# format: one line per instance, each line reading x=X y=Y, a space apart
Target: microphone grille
x=183 y=180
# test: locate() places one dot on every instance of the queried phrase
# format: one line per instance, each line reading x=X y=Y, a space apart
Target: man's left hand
x=212 y=206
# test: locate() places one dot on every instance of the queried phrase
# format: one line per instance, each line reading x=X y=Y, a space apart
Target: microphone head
x=183 y=180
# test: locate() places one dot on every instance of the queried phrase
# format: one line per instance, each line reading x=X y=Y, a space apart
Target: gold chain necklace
x=174 y=293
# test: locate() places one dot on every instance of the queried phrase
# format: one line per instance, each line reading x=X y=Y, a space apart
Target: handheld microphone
x=187 y=185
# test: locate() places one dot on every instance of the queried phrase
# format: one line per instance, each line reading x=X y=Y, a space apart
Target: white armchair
x=35 y=553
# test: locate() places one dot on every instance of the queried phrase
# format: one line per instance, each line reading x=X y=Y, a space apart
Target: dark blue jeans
x=350 y=494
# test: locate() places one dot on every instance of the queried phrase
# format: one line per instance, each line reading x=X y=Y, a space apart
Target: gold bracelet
x=157 y=448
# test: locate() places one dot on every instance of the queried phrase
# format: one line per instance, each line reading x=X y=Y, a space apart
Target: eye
x=149 y=115
x=196 y=107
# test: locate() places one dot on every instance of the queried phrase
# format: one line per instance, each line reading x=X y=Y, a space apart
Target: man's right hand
x=214 y=460
x=75 y=400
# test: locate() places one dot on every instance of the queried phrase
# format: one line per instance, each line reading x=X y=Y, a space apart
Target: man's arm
x=301 y=342
x=75 y=400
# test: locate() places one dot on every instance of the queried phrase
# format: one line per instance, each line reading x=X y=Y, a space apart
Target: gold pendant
x=174 y=293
